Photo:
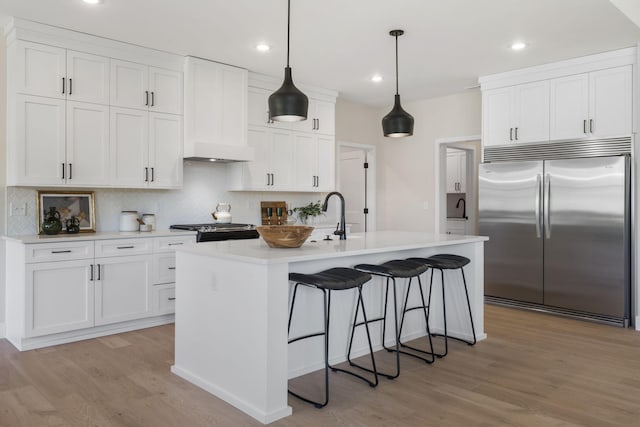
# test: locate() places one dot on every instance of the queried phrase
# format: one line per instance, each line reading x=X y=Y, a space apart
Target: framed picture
x=78 y=204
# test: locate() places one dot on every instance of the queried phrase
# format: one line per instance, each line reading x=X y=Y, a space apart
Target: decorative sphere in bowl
x=284 y=236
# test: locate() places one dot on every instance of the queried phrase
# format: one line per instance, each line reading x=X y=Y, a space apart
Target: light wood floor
x=533 y=370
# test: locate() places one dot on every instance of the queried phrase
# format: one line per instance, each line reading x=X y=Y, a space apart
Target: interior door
x=509 y=209
x=585 y=251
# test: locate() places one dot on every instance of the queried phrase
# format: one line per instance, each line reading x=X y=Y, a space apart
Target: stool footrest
x=316 y=334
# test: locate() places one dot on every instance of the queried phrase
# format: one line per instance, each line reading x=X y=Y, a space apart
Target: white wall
x=405 y=175
x=357 y=123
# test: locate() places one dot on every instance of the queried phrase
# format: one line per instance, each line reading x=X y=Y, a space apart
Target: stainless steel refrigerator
x=559 y=234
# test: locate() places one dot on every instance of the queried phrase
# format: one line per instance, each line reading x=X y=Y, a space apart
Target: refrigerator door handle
x=547 y=207
x=538 y=205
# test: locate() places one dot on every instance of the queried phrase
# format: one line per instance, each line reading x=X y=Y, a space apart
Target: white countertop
x=105 y=235
x=256 y=250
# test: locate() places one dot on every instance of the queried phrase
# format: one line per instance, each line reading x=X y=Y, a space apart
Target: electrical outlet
x=425 y=205
x=19 y=209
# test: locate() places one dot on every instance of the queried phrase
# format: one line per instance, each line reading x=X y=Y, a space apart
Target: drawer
x=164 y=299
x=67 y=251
x=164 y=268
x=118 y=247
x=170 y=243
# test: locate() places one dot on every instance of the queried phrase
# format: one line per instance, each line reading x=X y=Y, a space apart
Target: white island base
x=232 y=302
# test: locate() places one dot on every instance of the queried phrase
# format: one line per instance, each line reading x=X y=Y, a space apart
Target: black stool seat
x=444 y=261
x=397 y=268
x=335 y=279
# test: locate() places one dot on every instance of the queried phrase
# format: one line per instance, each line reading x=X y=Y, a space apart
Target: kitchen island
x=232 y=302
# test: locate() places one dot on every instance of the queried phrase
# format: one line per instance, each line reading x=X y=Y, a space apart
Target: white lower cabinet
x=62 y=292
x=122 y=288
x=59 y=297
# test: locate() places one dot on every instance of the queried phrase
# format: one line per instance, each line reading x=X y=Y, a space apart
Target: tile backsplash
x=203 y=188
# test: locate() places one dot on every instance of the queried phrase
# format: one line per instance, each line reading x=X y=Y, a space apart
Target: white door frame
x=371 y=178
x=441 y=146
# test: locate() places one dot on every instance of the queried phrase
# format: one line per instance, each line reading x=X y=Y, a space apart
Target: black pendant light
x=288 y=104
x=397 y=123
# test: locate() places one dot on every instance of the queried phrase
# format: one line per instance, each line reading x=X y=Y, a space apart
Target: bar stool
x=392 y=270
x=334 y=279
x=447 y=262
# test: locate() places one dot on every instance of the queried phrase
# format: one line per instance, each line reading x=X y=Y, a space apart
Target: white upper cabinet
x=89 y=120
x=54 y=72
x=59 y=143
x=258 y=100
x=531 y=121
x=320 y=118
x=129 y=148
x=129 y=85
x=165 y=87
x=165 y=151
x=456 y=171
x=39 y=69
x=592 y=105
x=87 y=78
x=148 y=88
x=582 y=98
x=497 y=126
x=610 y=102
x=569 y=109
x=146 y=149
x=516 y=114
x=87 y=148
x=36 y=147
x=314 y=162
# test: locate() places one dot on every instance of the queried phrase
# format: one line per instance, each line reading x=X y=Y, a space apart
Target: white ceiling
x=339 y=44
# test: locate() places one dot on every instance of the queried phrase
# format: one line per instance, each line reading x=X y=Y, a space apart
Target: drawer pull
x=126 y=247
x=172 y=268
x=176 y=244
x=172 y=299
x=61 y=252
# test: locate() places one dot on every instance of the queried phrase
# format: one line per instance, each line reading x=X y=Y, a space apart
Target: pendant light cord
x=289 y=29
x=397 y=64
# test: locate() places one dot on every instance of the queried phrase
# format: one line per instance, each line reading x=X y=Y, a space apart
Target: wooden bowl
x=284 y=236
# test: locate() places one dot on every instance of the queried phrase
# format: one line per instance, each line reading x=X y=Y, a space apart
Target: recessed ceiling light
x=376 y=78
x=518 y=46
x=263 y=47
x=93 y=1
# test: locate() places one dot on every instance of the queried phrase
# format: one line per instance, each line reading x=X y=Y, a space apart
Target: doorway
x=356 y=181
x=457 y=184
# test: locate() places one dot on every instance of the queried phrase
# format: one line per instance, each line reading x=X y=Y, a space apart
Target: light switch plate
x=19 y=209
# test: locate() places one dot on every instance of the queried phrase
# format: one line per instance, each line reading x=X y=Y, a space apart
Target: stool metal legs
x=382 y=318
x=444 y=312
x=425 y=310
x=327 y=313
x=365 y=322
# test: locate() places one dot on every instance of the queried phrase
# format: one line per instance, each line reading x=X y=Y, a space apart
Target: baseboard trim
x=24 y=344
x=263 y=417
x=3 y=330
x=637 y=324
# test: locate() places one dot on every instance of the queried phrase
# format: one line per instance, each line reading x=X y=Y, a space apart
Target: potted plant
x=312 y=210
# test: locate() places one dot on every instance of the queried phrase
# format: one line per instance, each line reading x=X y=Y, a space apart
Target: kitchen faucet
x=341 y=229
x=464 y=207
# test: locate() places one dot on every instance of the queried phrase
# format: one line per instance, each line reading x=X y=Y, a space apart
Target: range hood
x=206 y=151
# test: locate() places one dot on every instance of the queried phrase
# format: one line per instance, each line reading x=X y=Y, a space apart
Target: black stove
x=217 y=232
